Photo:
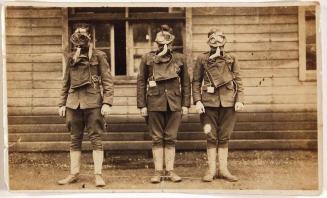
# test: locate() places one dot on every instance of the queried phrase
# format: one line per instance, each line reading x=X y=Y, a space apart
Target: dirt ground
x=257 y=170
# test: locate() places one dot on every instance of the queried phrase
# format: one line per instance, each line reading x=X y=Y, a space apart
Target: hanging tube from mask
x=216 y=54
x=164 y=51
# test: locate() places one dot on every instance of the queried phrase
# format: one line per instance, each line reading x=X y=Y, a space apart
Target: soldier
x=163 y=96
x=82 y=102
x=217 y=74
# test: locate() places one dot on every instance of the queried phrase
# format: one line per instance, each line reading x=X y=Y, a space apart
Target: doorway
x=120 y=48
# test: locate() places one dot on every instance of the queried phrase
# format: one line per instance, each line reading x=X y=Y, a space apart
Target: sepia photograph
x=163 y=98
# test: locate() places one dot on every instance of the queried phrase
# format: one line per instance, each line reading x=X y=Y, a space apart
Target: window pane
x=140 y=33
x=102 y=35
x=310 y=24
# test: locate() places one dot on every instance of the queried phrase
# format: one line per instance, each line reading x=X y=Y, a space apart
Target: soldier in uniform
x=218 y=95
x=163 y=95
x=82 y=102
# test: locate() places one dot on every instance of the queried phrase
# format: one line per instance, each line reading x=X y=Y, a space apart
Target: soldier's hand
x=144 y=111
x=239 y=106
x=184 y=110
x=105 y=110
x=199 y=107
x=62 y=111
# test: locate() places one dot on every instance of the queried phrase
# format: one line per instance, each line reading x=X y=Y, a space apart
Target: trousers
x=91 y=121
x=163 y=127
x=221 y=122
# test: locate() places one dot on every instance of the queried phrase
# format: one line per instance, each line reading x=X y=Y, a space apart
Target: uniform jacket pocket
x=153 y=91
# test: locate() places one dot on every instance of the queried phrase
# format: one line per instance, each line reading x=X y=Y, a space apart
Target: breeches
x=163 y=127
x=219 y=124
x=89 y=119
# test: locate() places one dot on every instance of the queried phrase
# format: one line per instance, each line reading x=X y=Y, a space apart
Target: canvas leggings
x=163 y=127
x=221 y=122
x=89 y=119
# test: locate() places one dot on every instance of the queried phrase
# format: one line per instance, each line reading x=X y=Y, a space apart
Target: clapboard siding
x=245 y=11
x=33 y=40
x=32 y=12
x=246 y=28
x=280 y=110
x=244 y=20
x=265 y=41
x=253 y=37
x=37 y=23
x=34 y=56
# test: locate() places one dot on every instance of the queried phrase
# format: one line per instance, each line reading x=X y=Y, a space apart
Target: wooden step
x=242 y=117
x=138 y=136
x=141 y=127
x=181 y=145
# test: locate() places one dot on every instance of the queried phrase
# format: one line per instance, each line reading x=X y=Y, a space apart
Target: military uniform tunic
x=82 y=96
x=164 y=101
x=219 y=104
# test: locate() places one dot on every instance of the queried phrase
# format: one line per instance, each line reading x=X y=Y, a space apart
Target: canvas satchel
x=218 y=71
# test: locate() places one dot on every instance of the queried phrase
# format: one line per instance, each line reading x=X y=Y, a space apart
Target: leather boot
x=223 y=171
x=98 y=160
x=169 y=161
x=157 y=153
x=211 y=172
x=75 y=164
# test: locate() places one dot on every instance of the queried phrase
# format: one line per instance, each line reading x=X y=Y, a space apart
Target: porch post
x=188 y=39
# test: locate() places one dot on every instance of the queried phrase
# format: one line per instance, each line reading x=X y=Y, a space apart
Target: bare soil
x=257 y=170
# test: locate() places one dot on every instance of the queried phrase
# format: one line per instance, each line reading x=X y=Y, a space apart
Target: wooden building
x=275 y=47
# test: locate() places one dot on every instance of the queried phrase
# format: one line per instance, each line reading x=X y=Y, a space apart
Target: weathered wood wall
x=34 y=59
x=280 y=110
x=265 y=40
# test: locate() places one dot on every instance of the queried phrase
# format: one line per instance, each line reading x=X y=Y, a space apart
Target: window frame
x=304 y=74
x=171 y=15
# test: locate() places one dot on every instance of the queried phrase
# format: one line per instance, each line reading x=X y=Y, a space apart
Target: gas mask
x=81 y=40
x=216 y=41
x=164 y=40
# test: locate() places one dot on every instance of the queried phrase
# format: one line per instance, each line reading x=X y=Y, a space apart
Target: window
x=307 y=43
x=125 y=34
x=102 y=37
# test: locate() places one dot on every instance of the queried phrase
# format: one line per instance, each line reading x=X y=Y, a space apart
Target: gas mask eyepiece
x=81 y=37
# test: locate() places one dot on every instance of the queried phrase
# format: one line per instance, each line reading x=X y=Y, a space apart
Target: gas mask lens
x=80 y=38
x=83 y=39
x=216 y=39
x=220 y=39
